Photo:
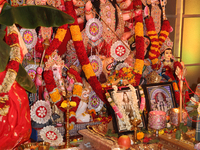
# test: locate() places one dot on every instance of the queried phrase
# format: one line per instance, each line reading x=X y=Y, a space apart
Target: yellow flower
x=140 y=135
x=76 y=34
x=77 y=90
x=88 y=71
x=73 y=104
x=60 y=35
x=71 y=126
x=161 y=132
x=55 y=95
x=75 y=140
x=64 y=104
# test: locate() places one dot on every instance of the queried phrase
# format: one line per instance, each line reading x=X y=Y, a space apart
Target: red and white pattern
x=119 y=50
x=51 y=135
x=41 y=112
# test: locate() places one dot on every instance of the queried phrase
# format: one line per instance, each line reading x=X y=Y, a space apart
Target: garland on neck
x=11 y=69
x=133 y=75
x=156 y=42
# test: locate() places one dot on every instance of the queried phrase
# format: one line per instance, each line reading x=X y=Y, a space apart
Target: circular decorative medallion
x=94 y=29
x=96 y=63
x=29 y=36
x=31 y=70
x=119 y=51
x=51 y=135
x=41 y=112
x=95 y=102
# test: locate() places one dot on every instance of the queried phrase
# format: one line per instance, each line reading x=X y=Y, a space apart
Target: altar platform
x=165 y=142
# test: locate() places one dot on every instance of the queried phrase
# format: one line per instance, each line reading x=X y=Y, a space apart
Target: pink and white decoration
x=157 y=120
x=41 y=112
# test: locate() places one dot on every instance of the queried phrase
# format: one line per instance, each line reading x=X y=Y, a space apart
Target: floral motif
x=51 y=135
x=120 y=50
x=41 y=111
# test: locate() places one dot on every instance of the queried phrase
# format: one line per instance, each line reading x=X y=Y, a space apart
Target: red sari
x=15 y=127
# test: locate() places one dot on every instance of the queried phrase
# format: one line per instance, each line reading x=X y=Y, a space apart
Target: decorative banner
x=29 y=36
x=51 y=135
x=96 y=63
x=95 y=102
x=119 y=51
x=41 y=112
x=31 y=70
x=70 y=57
x=94 y=29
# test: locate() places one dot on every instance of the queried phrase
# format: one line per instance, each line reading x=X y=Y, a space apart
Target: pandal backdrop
x=107 y=46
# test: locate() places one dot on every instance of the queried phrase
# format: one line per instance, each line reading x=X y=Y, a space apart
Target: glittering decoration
x=94 y=29
x=95 y=102
x=70 y=57
x=96 y=63
x=29 y=36
x=119 y=51
x=31 y=70
x=51 y=135
x=41 y=112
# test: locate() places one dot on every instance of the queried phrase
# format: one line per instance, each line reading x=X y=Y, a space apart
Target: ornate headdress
x=168 y=44
x=54 y=59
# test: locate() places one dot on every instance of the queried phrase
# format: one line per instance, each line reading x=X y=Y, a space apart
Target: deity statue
x=81 y=113
x=112 y=26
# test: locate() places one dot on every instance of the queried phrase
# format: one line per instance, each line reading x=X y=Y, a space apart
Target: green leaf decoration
x=193 y=113
x=25 y=80
x=188 y=103
x=184 y=129
x=32 y=16
x=4 y=52
x=181 y=125
x=153 y=141
x=178 y=134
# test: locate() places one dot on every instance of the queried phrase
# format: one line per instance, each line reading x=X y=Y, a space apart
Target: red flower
x=146 y=139
x=13 y=65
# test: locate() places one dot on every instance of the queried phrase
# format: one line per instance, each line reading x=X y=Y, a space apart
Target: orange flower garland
x=156 y=42
x=82 y=55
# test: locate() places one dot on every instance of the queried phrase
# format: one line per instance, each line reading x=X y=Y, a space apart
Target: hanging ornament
x=70 y=57
x=39 y=76
x=51 y=135
x=29 y=36
x=119 y=50
x=31 y=70
x=95 y=102
x=96 y=63
x=46 y=32
x=94 y=29
x=41 y=112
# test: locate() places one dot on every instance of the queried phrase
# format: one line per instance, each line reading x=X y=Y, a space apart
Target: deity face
x=168 y=55
x=56 y=71
x=125 y=98
x=146 y=44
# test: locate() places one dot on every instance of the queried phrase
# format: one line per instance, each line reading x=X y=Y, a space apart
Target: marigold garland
x=82 y=55
x=75 y=30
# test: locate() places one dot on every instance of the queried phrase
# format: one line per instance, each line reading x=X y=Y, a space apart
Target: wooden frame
x=117 y=122
x=160 y=96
